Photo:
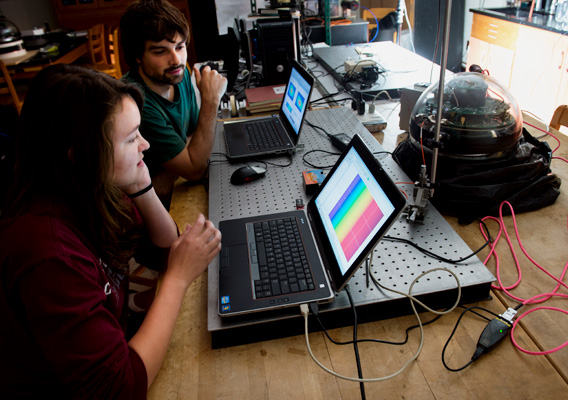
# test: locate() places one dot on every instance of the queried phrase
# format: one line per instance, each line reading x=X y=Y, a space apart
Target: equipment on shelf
x=11 y=43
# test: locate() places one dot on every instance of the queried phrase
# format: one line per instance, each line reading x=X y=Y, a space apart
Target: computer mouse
x=247 y=174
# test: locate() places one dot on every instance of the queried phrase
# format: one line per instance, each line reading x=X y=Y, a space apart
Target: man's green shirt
x=166 y=124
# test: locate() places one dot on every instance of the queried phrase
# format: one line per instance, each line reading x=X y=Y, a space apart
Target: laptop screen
x=297 y=97
x=356 y=205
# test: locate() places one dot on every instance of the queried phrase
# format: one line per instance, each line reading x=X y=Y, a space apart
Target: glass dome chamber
x=480 y=118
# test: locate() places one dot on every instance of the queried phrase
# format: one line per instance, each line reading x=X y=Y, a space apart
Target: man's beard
x=165 y=78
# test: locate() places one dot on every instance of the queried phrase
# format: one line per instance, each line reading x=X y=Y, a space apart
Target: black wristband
x=141 y=192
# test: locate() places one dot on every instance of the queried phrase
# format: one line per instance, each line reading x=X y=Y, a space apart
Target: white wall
x=228 y=10
x=29 y=14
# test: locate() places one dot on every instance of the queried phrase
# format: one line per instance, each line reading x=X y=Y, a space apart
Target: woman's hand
x=190 y=255
x=192 y=252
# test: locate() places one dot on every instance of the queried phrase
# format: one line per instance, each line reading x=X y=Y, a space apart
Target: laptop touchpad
x=235 y=255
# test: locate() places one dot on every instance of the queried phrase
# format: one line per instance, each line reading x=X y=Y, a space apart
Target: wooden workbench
x=282 y=369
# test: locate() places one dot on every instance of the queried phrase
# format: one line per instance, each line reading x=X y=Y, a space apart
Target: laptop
x=275 y=134
x=309 y=254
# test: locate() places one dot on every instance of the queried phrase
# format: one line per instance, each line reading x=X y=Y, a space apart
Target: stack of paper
x=265 y=98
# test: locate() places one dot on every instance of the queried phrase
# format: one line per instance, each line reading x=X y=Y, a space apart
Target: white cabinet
x=468 y=19
x=562 y=97
x=531 y=62
x=537 y=70
x=492 y=46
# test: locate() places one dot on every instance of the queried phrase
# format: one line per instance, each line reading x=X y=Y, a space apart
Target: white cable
x=412 y=301
x=382 y=92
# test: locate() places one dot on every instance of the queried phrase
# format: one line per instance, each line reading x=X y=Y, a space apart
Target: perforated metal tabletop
x=394 y=264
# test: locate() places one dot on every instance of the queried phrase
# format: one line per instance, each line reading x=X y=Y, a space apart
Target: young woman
x=81 y=206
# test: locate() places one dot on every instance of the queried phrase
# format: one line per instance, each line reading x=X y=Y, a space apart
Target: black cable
x=317 y=127
x=333 y=102
x=308 y=47
x=219 y=161
x=327 y=96
x=434 y=255
x=453 y=333
x=440 y=258
x=355 y=345
x=317 y=72
x=324 y=100
x=319 y=166
x=336 y=342
x=266 y=163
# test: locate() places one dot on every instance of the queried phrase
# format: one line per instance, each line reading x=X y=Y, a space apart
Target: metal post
x=443 y=63
x=399 y=20
x=327 y=23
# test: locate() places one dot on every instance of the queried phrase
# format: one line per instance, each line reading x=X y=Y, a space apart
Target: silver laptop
x=290 y=258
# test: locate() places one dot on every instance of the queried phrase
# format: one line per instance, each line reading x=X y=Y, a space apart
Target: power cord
x=355 y=344
x=315 y=312
x=305 y=159
x=304 y=309
x=493 y=333
x=488 y=241
x=340 y=140
x=266 y=163
x=226 y=160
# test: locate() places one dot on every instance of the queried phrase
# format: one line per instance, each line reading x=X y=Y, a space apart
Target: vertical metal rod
x=399 y=20
x=443 y=64
x=327 y=21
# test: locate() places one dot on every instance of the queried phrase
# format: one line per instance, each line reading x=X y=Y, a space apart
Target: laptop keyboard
x=278 y=259
x=262 y=135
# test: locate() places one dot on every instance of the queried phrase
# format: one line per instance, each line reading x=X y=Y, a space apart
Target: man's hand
x=211 y=85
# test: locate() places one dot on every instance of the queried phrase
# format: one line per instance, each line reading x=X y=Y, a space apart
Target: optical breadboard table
x=399 y=68
x=394 y=265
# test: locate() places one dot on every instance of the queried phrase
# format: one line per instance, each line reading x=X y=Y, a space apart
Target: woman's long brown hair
x=65 y=152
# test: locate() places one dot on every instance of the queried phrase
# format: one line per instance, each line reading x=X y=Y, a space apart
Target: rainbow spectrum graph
x=354 y=216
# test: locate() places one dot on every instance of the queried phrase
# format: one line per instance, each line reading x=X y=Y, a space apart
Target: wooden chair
x=7 y=87
x=96 y=44
x=104 y=50
x=114 y=51
x=559 y=118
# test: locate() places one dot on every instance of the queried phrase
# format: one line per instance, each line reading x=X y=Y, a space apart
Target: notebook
x=348 y=215
x=275 y=134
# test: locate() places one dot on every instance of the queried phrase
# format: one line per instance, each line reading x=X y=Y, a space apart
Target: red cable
x=421 y=145
x=535 y=299
x=548 y=133
x=538 y=353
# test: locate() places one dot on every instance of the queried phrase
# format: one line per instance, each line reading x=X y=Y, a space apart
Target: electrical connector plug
x=314 y=308
x=492 y=335
x=509 y=315
x=304 y=309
